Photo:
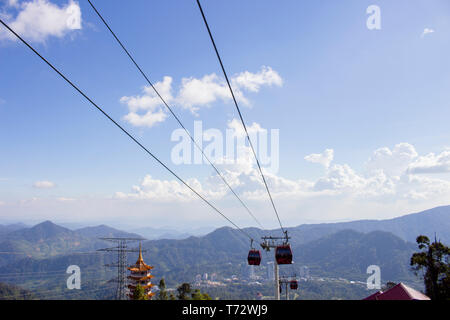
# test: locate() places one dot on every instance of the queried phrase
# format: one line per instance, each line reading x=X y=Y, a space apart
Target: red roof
x=398 y=292
x=373 y=296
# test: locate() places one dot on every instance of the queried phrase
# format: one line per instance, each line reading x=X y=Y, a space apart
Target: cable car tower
x=283 y=255
x=288 y=283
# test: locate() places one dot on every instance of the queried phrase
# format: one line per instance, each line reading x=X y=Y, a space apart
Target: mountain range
x=337 y=250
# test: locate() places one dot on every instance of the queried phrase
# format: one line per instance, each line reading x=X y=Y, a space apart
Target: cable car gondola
x=283 y=254
x=293 y=285
x=254 y=257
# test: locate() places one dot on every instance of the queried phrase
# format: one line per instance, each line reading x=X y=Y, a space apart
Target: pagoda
x=140 y=274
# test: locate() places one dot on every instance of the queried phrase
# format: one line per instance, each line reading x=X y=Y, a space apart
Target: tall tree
x=433 y=260
x=162 y=290
x=184 y=291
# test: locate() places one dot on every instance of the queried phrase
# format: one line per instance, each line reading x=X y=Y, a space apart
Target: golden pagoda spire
x=140 y=259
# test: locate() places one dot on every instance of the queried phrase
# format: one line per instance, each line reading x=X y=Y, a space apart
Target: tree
x=433 y=260
x=197 y=295
x=162 y=290
x=183 y=291
x=139 y=293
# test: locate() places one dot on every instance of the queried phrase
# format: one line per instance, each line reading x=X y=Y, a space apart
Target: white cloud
x=388 y=183
x=147 y=109
x=239 y=131
x=13 y=3
x=392 y=162
x=63 y=199
x=202 y=92
x=39 y=19
x=44 y=184
x=324 y=158
x=427 y=31
x=195 y=93
x=431 y=163
x=342 y=192
x=167 y=190
x=253 y=81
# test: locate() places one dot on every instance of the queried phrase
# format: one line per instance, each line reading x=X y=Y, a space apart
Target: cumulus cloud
x=37 y=20
x=167 y=190
x=202 y=92
x=194 y=93
x=427 y=31
x=147 y=109
x=44 y=184
x=324 y=158
x=431 y=163
x=253 y=81
x=386 y=181
x=342 y=192
x=392 y=162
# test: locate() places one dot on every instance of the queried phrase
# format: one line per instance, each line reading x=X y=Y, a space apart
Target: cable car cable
x=123 y=130
x=171 y=111
x=239 y=111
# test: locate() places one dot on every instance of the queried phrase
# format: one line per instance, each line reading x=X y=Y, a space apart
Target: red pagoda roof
x=398 y=292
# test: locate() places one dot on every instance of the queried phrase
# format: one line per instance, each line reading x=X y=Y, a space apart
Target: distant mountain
x=160 y=233
x=44 y=240
x=408 y=227
x=151 y=233
x=103 y=231
x=5 y=229
x=46 y=230
x=348 y=253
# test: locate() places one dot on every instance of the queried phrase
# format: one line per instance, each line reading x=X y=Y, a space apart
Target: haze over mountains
x=330 y=250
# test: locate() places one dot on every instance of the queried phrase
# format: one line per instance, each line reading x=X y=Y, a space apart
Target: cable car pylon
x=283 y=255
x=288 y=283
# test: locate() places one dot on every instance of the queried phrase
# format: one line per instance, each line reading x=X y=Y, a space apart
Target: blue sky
x=378 y=99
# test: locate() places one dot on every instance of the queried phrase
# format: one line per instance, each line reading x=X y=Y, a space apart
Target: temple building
x=140 y=274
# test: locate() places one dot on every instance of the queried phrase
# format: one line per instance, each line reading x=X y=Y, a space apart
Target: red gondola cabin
x=294 y=285
x=283 y=254
x=254 y=257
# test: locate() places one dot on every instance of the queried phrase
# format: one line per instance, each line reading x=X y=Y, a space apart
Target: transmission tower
x=121 y=264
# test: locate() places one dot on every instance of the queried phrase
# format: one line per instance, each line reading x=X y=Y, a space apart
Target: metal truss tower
x=121 y=264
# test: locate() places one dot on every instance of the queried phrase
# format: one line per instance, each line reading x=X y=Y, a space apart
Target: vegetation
x=185 y=293
x=162 y=294
x=139 y=293
x=10 y=292
x=433 y=261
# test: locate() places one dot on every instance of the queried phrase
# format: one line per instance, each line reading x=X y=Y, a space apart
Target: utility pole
x=121 y=264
